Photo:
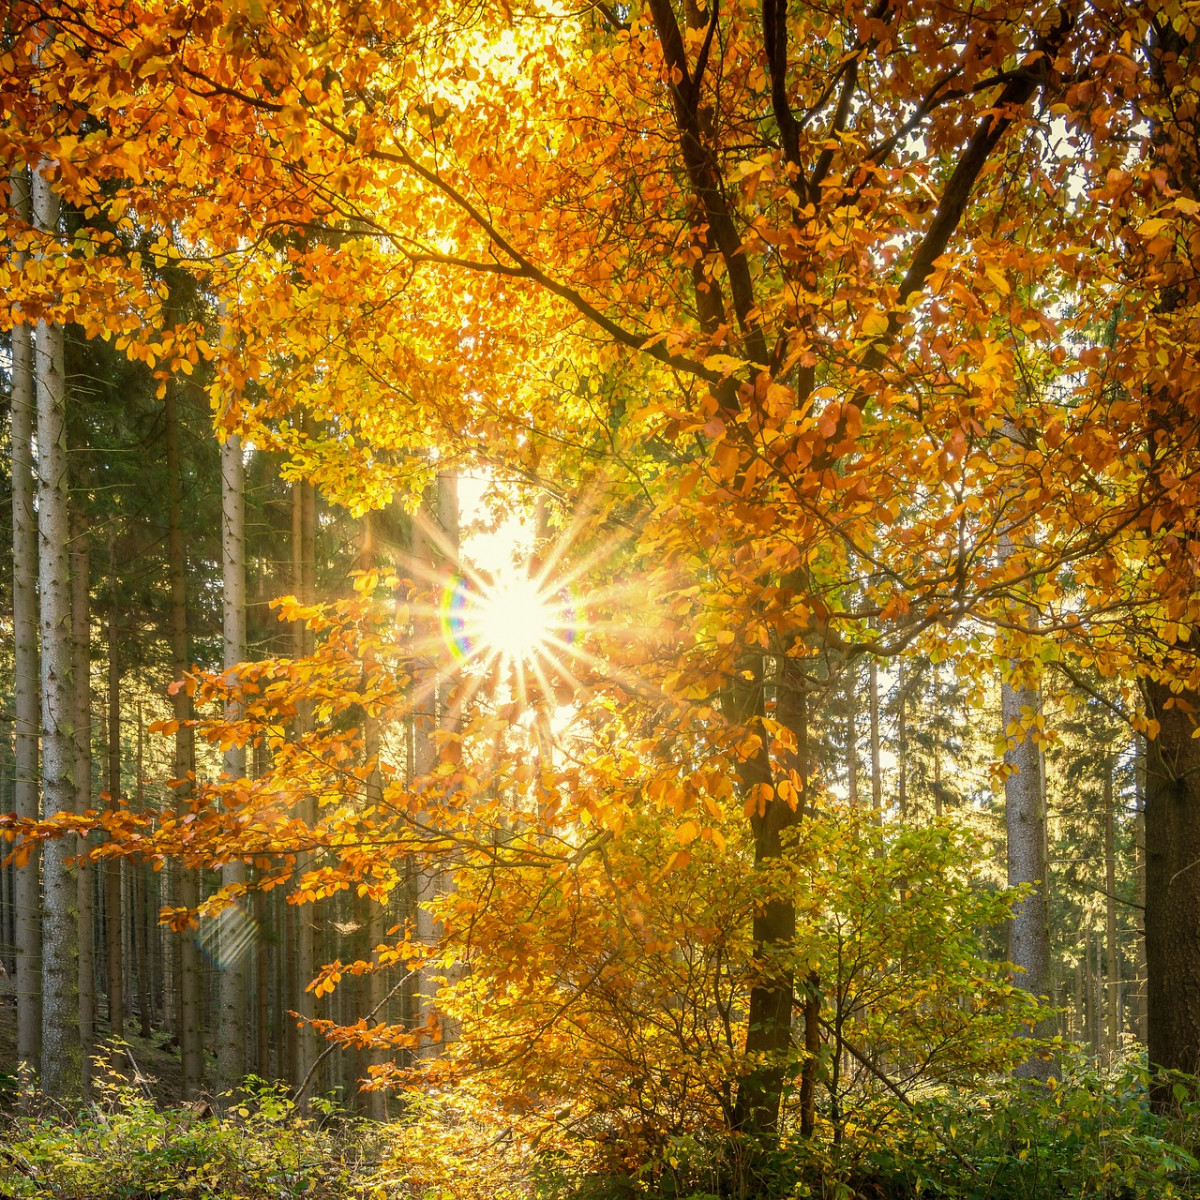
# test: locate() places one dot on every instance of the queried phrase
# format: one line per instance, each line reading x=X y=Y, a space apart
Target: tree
x=61 y=1065
x=798 y=265
x=25 y=665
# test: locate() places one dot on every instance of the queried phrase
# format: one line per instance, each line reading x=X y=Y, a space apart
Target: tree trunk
x=61 y=1065
x=232 y=954
x=876 y=770
x=81 y=634
x=375 y=913
x=901 y=744
x=113 y=931
x=1112 y=950
x=141 y=910
x=1173 y=886
x=303 y=579
x=1029 y=928
x=188 y=977
x=852 y=732
x=772 y=993
x=27 y=900
x=1139 y=837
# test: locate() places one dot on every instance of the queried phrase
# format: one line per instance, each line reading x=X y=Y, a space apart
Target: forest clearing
x=600 y=600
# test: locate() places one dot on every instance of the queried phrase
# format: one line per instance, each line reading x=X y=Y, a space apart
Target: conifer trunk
x=188 y=977
x=304 y=915
x=61 y=1064
x=113 y=914
x=81 y=650
x=876 y=770
x=852 y=732
x=233 y=951
x=27 y=901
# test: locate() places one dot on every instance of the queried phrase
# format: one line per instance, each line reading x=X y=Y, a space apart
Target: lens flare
x=514 y=618
x=228 y=937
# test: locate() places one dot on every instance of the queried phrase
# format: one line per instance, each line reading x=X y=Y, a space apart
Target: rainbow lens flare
x=515 y=618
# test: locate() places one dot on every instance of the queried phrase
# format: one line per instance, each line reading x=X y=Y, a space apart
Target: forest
x=599 y=599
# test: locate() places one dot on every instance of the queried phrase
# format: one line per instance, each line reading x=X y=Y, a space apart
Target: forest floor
x=150 y=1063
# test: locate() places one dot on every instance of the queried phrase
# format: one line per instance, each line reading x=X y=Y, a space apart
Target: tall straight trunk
x=440 y=510
x=61 y=1060
x=113 y=908
x=141 y=913
x=303 y=579
x=876 y=770
x=81 y=634
x=1029 y=928
x=375 y=913
x=901 y=744
x=937 y=778
x=232 y=952
x=262 y=992
x=27 y=930
x=1173 y=886
x=852 y=732
x=189 y=979
x=1139 y=838
x=1090 y=994
x=1112 y=950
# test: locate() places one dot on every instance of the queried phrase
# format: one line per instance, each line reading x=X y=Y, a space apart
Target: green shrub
x=122 y=1147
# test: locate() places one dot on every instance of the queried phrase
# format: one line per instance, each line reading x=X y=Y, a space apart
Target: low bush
x=123 y=1147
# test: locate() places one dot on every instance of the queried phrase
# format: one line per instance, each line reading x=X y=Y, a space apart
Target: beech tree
x=814 y=328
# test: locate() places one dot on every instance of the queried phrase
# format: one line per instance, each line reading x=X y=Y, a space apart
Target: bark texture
x=233 y=949
x=61 y=1063
x=187 y=885
x=27 y=898
x=1029 y=929
x=1173 y=886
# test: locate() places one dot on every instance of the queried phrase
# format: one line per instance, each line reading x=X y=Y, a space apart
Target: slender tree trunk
x=145 y=960
x=61 y=1060
x=28 y=900
x=901 y=744
x=1029 y=929
x=1173 y=886
x=188 y=977
x=375 y=913
x=852 y=732
x=303 y=572
x=937 y=778
x=1091 y=993
x=113 y=914
x=81 y=634
x=1024 y=819
x=1112 y=950
x=233 y=950
x=1139 y=783
x=876 y=771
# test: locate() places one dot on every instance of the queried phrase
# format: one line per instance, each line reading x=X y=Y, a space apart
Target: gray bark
x=61 y=1065
x=27 y=893
x=189 y=981
x=113 y=899
x=876 y=771
x=233 y=951
x=81 y=649
x=303 y=579
x=1029 y=929
x=852 y=732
